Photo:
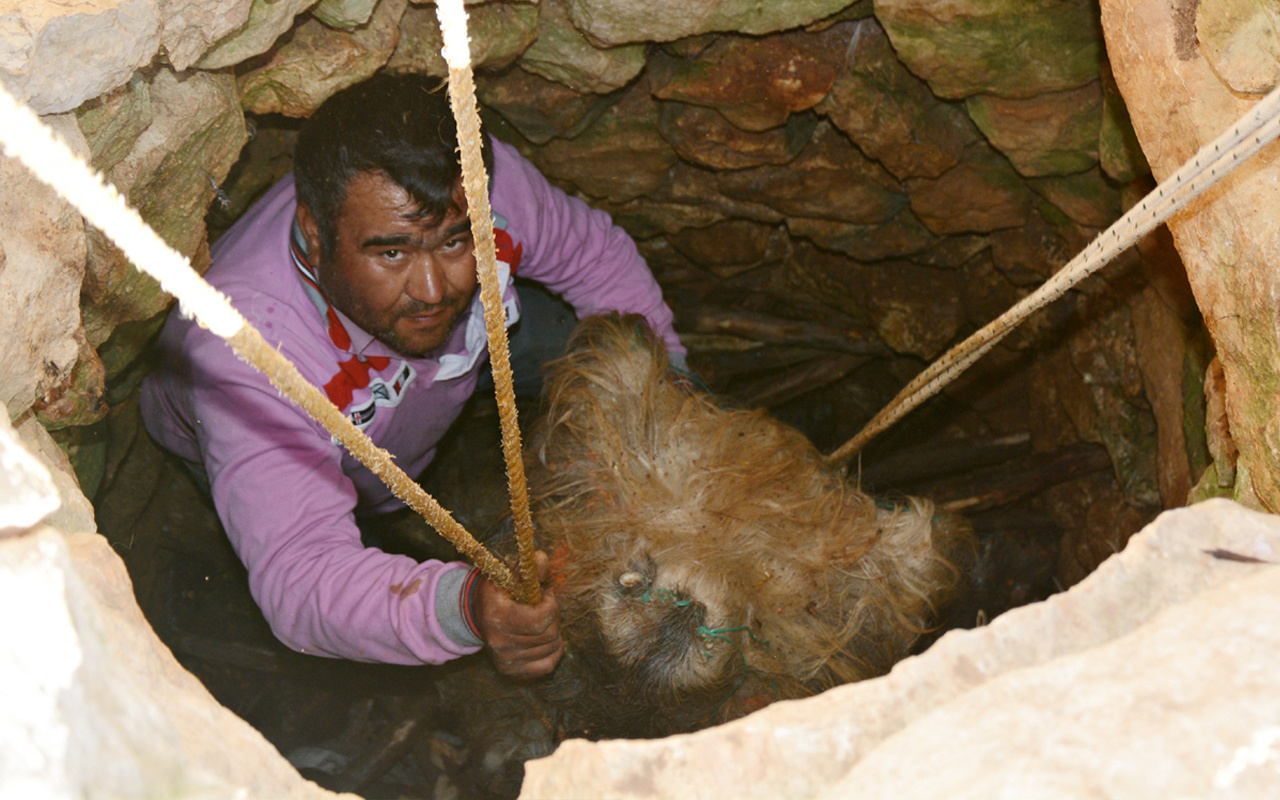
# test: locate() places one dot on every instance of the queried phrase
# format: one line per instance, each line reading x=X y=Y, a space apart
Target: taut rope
x=475 y=181
x=1211 y=164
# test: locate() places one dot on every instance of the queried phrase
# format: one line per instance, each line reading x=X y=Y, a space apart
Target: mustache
x=415 y=307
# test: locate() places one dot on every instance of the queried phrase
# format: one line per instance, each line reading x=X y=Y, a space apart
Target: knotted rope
x=1211 y=164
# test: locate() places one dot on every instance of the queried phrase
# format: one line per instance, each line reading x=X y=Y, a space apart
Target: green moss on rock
x=1013 y=48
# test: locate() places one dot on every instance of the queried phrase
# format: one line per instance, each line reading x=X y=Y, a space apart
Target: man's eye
x=455 y=244
x=392 y=255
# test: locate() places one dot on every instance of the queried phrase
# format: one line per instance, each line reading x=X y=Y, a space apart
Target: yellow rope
x=25 y=138
x=1256 y=128
x=251 y=347
x=475 y=181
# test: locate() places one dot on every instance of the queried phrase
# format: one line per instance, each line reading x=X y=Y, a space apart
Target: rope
x=1212 y=163
x=25 y=138
x=475 y=181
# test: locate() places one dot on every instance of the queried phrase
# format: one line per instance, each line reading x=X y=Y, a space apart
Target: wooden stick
x=764 y=328
x=775 y=389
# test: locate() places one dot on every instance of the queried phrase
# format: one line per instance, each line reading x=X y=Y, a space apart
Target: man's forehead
x=373 y=196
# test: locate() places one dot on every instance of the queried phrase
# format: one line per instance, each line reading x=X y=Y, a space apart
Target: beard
x=391 y=328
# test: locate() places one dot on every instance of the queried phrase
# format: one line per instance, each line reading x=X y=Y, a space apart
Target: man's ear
x=310 y=232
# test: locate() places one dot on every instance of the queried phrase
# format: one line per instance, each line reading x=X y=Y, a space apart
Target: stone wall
x=898 y=172
x=92 y=704
x=894 y=171
x=1189 y=71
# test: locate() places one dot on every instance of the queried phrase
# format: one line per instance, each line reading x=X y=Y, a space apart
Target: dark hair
x=400 y=125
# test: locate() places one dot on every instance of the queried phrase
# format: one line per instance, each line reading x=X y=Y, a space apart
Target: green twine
x=719 y=633
x=664 y=595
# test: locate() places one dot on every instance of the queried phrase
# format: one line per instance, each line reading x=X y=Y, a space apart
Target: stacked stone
x=907 y=169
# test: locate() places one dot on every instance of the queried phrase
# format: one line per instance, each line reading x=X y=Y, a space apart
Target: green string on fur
x=719 y=633
x=664 y=595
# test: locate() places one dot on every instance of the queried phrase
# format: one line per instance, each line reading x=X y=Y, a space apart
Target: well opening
x=819 y=238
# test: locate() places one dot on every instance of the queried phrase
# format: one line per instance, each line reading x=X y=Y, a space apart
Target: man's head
x=381 y=208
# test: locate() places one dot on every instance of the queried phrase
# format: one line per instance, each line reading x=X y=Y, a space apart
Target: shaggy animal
x=706 y=560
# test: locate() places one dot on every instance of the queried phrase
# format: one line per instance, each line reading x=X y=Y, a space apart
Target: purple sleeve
x=573 y=249
x=287 y=507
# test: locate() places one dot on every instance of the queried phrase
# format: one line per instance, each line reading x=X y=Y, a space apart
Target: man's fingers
x=509 y=616
x=520 y=655
x=509 y=639
x=524 y=641
x=530 y=664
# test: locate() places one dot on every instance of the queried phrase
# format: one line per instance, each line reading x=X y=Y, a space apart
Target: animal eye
x=630 y=579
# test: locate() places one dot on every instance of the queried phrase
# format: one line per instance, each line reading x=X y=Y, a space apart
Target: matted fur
x=711 y=553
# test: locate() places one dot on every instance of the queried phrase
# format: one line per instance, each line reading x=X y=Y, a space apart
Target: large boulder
x=1151 y=678
x=1227 y=239
x=42 y=264
x=169 y=170
x=890 y=113
x=267 y=20
x=57 y=55
x=1014 y=48
x=1239 y=38
x=317 y=61
x=92 y=704
x=1055 y=133
x=540 y=109
x=980 y=194
x=497 y=34
x=620 y=157
x=344 y=14
x=561 y=53
x=703 y=136
x=756 y=83
x=830 y=179
x=190 y=28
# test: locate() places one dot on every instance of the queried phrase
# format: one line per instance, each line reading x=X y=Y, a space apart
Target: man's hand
x=524 y=640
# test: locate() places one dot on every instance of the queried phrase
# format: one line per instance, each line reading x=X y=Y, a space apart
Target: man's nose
x=425 y=282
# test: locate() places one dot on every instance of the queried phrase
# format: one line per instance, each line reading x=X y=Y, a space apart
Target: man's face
x=394 y=273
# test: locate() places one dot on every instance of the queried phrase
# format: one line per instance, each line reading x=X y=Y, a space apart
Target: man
x=364 y=276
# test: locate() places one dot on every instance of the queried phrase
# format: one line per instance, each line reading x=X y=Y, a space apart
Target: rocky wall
x=898 y=171
x=1188 y=71
x=92 y=704
x=891 y=174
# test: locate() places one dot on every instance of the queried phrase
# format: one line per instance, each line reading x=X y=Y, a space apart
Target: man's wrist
x=453 y=608
x=467 y=601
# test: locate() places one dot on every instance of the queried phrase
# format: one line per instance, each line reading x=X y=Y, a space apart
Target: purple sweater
x=286 y=494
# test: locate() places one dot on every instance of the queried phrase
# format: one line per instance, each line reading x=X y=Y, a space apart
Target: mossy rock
x=1012 y=48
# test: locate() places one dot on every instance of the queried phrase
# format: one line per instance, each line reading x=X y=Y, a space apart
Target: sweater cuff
x=453 y=606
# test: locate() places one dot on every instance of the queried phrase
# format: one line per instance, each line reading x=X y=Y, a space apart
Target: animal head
x=701 y=548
